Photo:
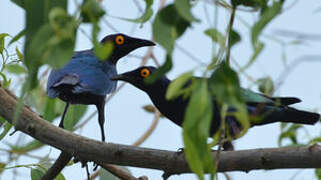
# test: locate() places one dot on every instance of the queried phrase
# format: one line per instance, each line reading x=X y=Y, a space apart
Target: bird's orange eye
x=120 y=40
x=144 y=73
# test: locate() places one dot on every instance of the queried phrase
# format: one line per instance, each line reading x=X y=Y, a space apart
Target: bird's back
x=93 y=75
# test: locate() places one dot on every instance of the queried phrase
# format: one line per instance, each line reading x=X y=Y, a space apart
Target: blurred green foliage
x=50 y=36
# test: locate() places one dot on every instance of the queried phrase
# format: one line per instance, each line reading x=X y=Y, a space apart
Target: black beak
x=122 y=77
x=142 y=42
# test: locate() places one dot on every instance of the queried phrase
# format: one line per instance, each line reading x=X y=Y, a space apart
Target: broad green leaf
x=184 y=9
x=54 y=42
x=60 y=47
x=103 y=51
x=268 y=15
x=91 y=11
x=36 y=174
x=196 y=126
x=37 y=12
x=74 y=114
x=19 y=3
x=175 y=88
x=16 y=69
x=17 y=37
x=168 y=26
x=148 y=13
x=161 y=71
x=49 y=112
x=234 y=38
x=105 y=175
x=224 y=83
x=60 y=177
x=266 y=85
x=216 y=36
x=2 y=36
x=225 y=86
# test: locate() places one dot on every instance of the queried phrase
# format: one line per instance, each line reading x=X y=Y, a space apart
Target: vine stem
x=229 y=29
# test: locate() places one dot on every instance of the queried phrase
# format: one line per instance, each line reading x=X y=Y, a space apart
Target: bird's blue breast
x=94 y=75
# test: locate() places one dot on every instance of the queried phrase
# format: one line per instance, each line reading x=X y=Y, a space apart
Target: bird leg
x=101 y=118
x=61 y=124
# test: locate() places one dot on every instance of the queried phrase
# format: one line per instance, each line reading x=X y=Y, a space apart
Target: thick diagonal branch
x=169 y=161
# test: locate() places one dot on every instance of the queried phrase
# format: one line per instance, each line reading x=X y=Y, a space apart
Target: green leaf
x=2 y=166
x=33 y=145
x=225 y=86
x=175 y=87
x=266 y=85
x=54 y=42
x=106 y=175
x=315 y=140
x=184 y=9
x=216 y=36
x=290 y=133
x=36 y=174
x=103 y=51
x=257 y=51
x=19 y=3
x=318 y=173
x=60 y=177
x=250 y=3
x=6 y=127
x=16 y=69
x=19 y=54
x=268 y=15
x=74 y=114
x=5 y=82
x=2 y=36
x=91 y=11
x=17 y=37
x=148 y=13
x=49 y=112
x=196 y=126
x=234 y=38
x=37 y=12
x=168 y=26
x=160 y=71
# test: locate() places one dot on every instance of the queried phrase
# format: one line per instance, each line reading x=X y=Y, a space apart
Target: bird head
x=137 y=78
x=124 y=44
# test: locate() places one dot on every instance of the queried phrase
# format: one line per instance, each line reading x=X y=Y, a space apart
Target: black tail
x=286 y=114
x=298 y=116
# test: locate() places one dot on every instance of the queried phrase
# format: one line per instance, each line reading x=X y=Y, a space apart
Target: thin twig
x=149 y=130
x=229 y=30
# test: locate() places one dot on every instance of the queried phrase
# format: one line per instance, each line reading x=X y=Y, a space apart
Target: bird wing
x=69 y=79
x=253 y=98
x=85 y=74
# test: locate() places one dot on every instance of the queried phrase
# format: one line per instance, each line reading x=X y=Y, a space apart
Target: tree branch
x=169 y=161
x=57 y=167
